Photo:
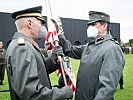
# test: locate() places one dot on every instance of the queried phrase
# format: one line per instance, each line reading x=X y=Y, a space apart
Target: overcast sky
x=119 y=10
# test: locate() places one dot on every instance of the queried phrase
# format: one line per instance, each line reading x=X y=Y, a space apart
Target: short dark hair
x=103 y=22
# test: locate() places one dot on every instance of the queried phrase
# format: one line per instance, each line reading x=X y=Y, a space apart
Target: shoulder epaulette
x=21 y=41
x=115 y=41
x=99 y=40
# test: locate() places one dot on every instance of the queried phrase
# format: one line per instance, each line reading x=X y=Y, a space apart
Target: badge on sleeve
x=21 y=41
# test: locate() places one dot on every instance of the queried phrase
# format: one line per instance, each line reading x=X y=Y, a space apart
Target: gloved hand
x=58 y=26
x=68 y=91
x=57 y=51
x=61 y=81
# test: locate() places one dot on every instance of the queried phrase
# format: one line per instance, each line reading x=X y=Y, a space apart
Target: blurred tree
x=131 y=42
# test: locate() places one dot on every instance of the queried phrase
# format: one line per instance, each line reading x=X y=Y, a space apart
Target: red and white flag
x=52 y=36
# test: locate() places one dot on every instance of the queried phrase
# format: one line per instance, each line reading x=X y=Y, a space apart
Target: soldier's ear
x=29 y=24
x=105 y=25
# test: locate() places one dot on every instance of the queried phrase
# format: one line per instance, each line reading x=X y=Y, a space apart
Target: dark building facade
x=75 y=29
x=7 y=28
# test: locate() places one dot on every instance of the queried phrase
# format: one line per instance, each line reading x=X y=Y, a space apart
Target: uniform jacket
x=101 y=64
x=2 y=63
x=28 y=71
x=2 y=56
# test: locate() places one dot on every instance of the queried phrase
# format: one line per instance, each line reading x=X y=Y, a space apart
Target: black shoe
x=121 y=87
x=1 y=82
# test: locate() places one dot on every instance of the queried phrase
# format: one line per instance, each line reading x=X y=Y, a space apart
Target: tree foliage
x=131 y=42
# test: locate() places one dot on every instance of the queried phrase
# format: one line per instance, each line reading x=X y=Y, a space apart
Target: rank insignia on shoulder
x=21 y=41
x=99 y=40
x=115 y=41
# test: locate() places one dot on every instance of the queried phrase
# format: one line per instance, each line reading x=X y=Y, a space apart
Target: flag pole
x=52 y=28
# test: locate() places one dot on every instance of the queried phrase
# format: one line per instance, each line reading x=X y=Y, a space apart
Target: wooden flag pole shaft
x=61 y=65
x=62 y=70
x=52 y=28
x=56 y=43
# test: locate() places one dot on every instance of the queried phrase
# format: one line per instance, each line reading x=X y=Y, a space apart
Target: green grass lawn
x=125 y=94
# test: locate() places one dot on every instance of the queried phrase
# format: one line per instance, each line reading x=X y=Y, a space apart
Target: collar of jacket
x=17 y=35
x=1 y=49
x=103 y=39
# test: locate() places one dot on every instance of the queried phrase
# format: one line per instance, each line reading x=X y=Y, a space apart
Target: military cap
x=30 y=12
x=95 y=16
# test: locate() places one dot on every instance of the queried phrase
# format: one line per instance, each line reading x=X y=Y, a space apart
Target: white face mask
x=42 y=32
x=92 y=31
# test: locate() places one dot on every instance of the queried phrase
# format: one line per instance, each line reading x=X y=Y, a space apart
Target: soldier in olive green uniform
x=28 y=69
x=101 y=60
x=131 y=49
x=2 y=63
